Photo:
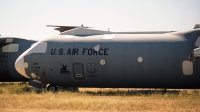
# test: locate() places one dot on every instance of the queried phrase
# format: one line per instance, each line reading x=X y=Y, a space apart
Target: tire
x=52 y=88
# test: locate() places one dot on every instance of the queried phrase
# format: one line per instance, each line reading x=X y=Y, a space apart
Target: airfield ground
x=17 y=97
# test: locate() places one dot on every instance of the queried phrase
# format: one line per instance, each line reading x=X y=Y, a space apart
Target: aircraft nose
x=20 y=66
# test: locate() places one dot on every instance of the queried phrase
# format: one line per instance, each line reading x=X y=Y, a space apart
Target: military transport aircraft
x=85 y=57
x=12 y=47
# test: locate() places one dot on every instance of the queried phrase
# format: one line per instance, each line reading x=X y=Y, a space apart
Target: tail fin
x=197 y=26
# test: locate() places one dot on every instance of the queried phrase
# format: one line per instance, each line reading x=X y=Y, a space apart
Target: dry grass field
x=17 y=97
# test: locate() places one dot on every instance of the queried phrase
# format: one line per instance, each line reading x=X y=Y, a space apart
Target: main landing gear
x=52 y=88
x=49 y=87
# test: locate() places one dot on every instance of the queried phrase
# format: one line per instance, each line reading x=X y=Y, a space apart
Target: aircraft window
x=25 y=65
x=102 y=62
x=10 y=48
x=39 y=47
x=9 y=40
x=187 y=67
x=198 y=42
x=140 y=59
x=97 y=47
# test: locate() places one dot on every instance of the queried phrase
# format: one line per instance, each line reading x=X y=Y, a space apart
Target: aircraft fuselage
x=117 y=60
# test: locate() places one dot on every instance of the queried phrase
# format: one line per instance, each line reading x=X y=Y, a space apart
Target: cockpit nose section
x=29 y=64
x=35 y=65
x=19 y=66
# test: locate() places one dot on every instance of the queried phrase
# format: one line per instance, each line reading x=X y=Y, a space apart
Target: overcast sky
x=28 y=18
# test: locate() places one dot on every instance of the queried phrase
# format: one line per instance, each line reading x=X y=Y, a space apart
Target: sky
x=28 y=18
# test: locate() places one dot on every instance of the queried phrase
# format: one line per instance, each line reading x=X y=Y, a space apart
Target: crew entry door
x=78 y=71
